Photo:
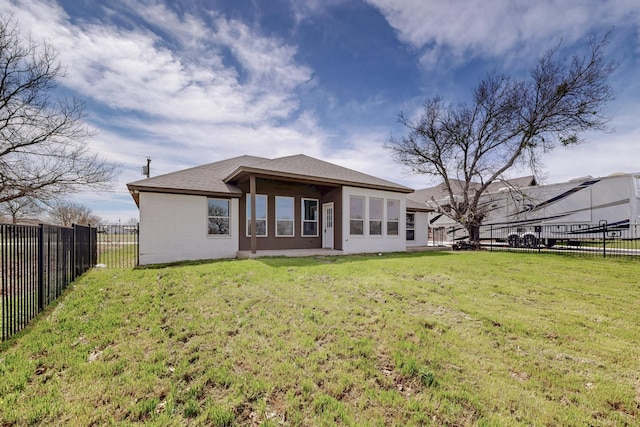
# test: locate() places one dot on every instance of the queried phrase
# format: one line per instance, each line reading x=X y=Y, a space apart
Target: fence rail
x=599 y=239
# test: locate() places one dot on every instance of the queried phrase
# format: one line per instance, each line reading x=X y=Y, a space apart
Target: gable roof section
x=308 y=169
x=219 y=178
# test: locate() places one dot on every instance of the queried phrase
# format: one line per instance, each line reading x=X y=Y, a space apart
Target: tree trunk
x=474 y=234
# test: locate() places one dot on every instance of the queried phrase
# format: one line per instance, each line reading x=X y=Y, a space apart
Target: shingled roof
x=219 y=178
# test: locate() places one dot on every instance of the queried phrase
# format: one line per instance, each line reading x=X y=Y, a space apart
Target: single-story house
x=256 y=204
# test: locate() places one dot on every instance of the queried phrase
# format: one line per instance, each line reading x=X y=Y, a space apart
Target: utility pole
x=146 y=170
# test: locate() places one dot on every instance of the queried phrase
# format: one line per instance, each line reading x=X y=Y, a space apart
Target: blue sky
x=188 y=82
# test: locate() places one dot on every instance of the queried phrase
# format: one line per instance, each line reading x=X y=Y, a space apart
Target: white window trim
x=266 y=218
x=381 y=219
x=302 y=220
x=292 y=220
x=219 y=236
x=364 y=230
x=412 y=228
x=386 y=228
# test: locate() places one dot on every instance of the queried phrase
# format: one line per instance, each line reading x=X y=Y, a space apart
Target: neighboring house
x=294 y=202
x=432 y=197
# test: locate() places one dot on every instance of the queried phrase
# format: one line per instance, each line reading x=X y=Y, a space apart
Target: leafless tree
x=69 y=213
x=22 y=208
x=509 y=121
x=43 y=140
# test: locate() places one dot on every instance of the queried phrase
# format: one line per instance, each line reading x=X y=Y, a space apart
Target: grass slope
x=408 y=339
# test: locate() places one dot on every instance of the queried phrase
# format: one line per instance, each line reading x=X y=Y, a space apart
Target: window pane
x=284 y=208
x=356 y=227
x=261 y=206
x=392 y=228
x=393 y=210
x=218 y=216
x=375 y=228
x=411 y=218
x=309 y=217
x=218 y=207
x=261 y=215
x=310 y=228
x=310 y=210
x=356 y=207
x=218 y=225
x=284 y=228
x=411 y=221
x=261 y=227
x=376 y=207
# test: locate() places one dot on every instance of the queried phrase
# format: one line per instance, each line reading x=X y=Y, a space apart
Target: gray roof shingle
x=219 y=177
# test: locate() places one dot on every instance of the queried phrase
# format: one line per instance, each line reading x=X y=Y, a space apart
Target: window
x=309 y=217
x=284 y=216
x=356 y=215
x=393 y=214
x=376 y=211
x=411 y=226
x=218 y=216
x=261 y=215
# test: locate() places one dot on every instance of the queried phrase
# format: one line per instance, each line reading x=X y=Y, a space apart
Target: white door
x=327 y=225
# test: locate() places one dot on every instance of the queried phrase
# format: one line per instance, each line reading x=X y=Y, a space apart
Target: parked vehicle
x=568 y=212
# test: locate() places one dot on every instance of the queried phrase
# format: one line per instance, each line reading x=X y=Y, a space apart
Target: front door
x=327 y=223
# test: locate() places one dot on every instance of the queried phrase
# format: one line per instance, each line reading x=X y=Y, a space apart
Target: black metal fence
x=38 y=263
x=601 y=239
x=118 y=246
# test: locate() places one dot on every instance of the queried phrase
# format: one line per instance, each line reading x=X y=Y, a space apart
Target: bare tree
x=510 y=121
x=43 y=151
x=22 y=208
x=69 y=213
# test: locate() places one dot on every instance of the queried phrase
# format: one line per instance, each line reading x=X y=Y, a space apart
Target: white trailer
x=547 y=214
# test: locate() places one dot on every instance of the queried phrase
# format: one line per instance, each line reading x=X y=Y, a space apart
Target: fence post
x=138 y=241
x=74 y=258
x=40 y=267
x=491 y=238
x=603 y=224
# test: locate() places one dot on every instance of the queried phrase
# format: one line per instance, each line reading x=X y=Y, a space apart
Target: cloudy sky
x=188 y=82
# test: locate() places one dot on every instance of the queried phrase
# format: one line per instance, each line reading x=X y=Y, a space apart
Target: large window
x=284 y=216
x=309 y=217
x=393 y=215
x=356 y=216
x=376 y=213
x=218 y=216
x=411 y=226
x=261 y=215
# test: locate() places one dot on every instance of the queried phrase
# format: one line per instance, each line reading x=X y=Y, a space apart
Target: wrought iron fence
x=600 y=239
x=118 y=246
x=38 y=263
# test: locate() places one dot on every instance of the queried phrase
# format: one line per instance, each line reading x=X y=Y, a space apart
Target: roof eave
x=264 y=173
x=135 y=191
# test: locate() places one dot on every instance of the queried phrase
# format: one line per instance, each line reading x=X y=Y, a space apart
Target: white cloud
x=458 y=30
x=131 y=69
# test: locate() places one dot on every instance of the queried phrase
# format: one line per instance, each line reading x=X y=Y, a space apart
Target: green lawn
x=410 y=339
